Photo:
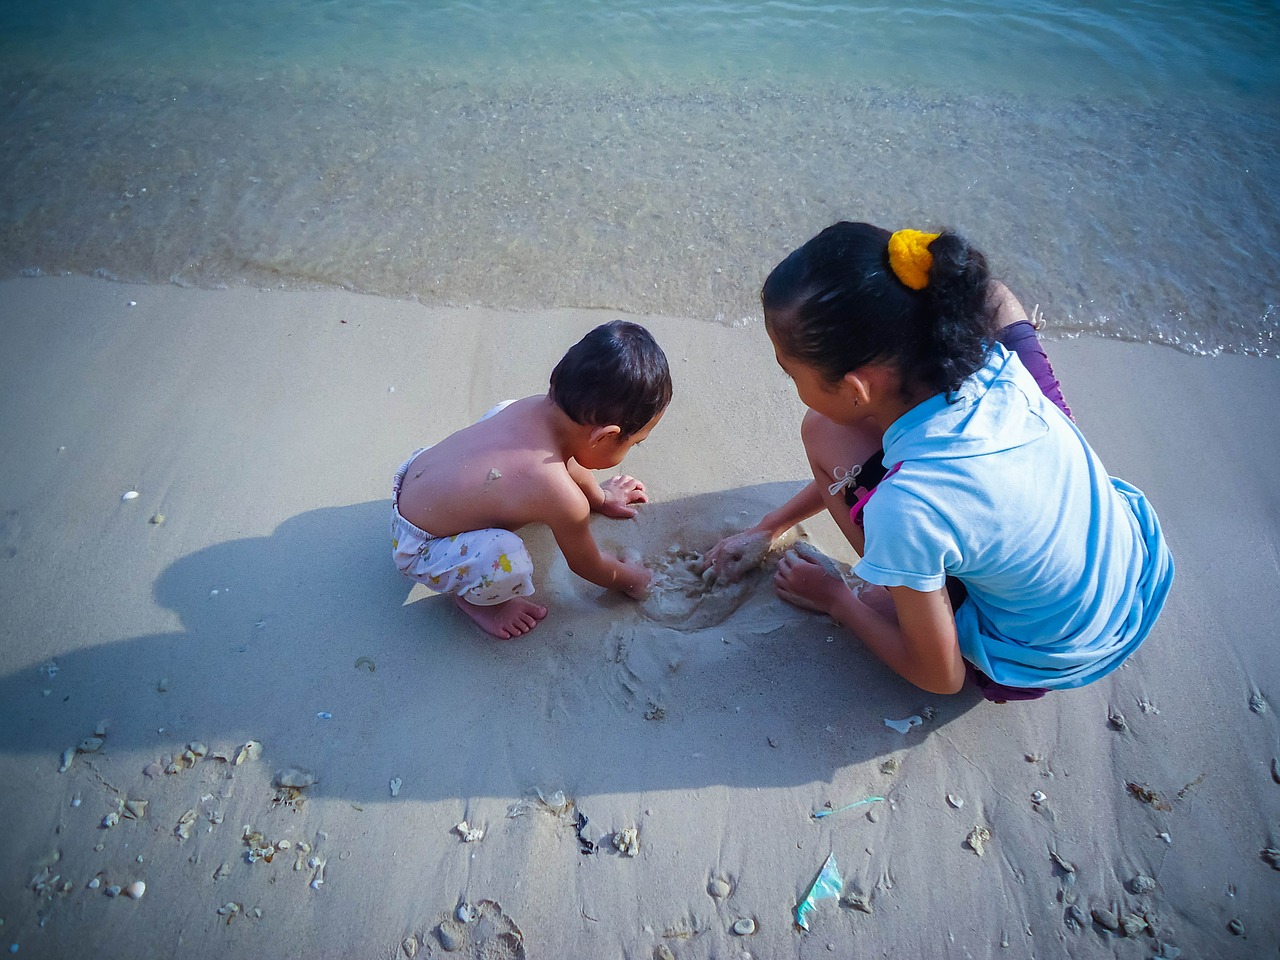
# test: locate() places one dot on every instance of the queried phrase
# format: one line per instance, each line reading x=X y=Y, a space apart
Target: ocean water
x=1116 y=160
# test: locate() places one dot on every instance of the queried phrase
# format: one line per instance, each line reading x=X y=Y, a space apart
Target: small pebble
x=955 y=801
x=135 y=890
x=157 y=519
x=133 y=303
x=94 y=884
x=112 y=891
x=1142 y=884
x=449 y=940
x=745 y=927
x=1038 y=797
x=718 y=888
x=129 y=495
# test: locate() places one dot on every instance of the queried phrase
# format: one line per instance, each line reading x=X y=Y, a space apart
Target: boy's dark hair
x=615 y=375
x=836 y=304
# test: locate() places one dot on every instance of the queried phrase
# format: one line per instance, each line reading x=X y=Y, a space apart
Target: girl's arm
x=734 y=556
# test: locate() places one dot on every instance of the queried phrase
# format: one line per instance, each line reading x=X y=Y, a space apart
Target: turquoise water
x=1116 y=160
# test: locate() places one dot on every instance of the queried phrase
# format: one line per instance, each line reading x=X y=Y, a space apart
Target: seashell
x=183 y=830
x=1038 y=797
x=135 y=890
x=101 y=729
x=468 y=833
x=68 y=755
x=157 y=519
x=1116 y=719
x=467 y=913
x=1235 y=926
x=75 y=801
x=110 y=820
x=627 y=842
x=663 y=952
x=94 y=883
x=162 y=685
x=129 y=495
x=89 y=745
x=955 y=801
x=395 y=784
x=1258 y=703
x=112 y=891
x=283 y=845
x=135 y=809
x=905 y=724
x=295 y=778
x=494 y=474
x=718 y=888
x=1142 y=884
x=229 y=910
x=1065 y=864
x=197 y=749
x=410 y=947
x=367 y=663
x=856 y=901
x=250 y=751
x=744 y=927
x=1105 y=919
x=978 y=839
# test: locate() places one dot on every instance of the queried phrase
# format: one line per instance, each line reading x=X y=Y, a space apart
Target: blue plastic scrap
x=826 y=885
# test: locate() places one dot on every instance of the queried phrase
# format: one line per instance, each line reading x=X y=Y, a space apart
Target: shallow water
x=1118 y=162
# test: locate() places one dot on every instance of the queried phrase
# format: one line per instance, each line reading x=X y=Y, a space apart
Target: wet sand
x=260 y=431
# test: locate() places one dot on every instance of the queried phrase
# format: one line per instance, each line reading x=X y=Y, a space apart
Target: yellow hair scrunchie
x=910 y=258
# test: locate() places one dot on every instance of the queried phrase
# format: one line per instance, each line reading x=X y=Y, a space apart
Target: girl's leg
x=833 y=449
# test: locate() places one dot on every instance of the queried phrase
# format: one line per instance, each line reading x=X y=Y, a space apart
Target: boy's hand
x=638 y=578
x=619 y=492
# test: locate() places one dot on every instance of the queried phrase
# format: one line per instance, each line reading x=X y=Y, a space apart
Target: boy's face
x=611 y=447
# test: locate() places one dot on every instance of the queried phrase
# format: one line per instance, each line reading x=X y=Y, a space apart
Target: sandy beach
x=246 y=596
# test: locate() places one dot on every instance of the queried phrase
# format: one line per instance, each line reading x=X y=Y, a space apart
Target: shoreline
x=264 y=428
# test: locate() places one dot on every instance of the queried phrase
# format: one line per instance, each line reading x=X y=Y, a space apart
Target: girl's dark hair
x=835 y=304
x=615 y=375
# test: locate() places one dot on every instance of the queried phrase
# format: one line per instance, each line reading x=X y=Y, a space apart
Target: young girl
x=999 y=547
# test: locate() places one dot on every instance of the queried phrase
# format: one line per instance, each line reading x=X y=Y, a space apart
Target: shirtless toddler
x=456 y=504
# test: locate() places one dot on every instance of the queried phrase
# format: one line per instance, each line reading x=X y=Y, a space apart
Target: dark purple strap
x=1021 y=338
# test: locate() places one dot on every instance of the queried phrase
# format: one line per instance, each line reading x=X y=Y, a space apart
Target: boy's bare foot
x=507 y=620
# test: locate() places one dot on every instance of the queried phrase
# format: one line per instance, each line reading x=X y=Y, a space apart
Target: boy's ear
x=611 y=432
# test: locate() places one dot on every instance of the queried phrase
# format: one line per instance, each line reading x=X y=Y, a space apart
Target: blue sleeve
x=908 y=542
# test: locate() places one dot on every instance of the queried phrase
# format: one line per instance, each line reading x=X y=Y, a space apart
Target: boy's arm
x=614 y=497
x=570 y=525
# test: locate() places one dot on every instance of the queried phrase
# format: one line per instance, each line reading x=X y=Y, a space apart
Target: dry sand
x=265 y=427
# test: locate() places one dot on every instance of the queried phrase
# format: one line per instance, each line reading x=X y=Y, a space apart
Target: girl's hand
x=734 y=557
x=619 y=492
x=806 y=583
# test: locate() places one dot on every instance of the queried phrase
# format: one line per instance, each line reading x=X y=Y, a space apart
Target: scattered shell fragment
x=663 y=952
x=367 y=663
x=410 y=946
x=955 y=801
x=94 y=883
x=978 y=839
x=396 y=784
x=495 y=474
x=1272 y=856
x=295 y=778
x=129 y=495
x=467 y=913
x=627 y=842
x=135 y=809
x=856 y=901
x=1235 y=926
x=68 y=755
x=905 y=724
x=1142 y=884
x=157 y=519
x=1116 y=719
x=221 y=872
x=113 y=890
x=89 y=745
x=110 y=820
x=890 y=766
x=468 y=833
x=719 y=888
x=1258 y=703
x=1131 y=924
x=250 y=751
x=197 y=749
x=136 y=889
x=1061 y=861
x=101 y=729
x=1038 y=797
x=1275 y=769
x=1105 y=919
x=744 y=927
x=183 y=829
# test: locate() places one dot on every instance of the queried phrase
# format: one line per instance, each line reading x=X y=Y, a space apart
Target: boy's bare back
x=506 y=471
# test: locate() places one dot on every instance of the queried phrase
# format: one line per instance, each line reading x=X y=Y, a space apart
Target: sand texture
x=637 y=779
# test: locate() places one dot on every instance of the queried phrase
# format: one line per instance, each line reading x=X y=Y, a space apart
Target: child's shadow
x=310 y=642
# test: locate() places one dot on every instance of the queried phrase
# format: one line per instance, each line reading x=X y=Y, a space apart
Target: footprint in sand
x=479 y=931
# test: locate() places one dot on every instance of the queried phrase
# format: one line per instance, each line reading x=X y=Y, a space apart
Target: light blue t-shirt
x=1065 y=566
